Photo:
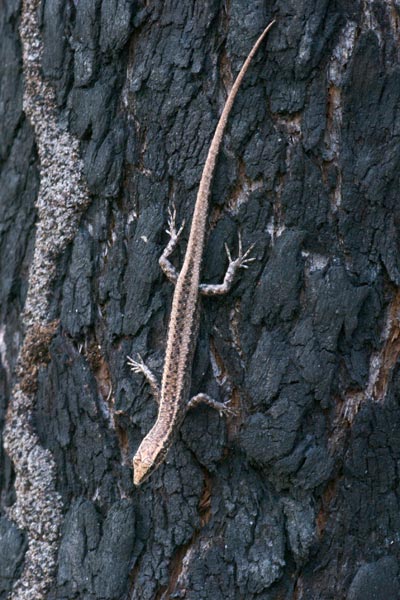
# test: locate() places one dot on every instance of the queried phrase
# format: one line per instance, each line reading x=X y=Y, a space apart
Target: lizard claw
x=228 y=253
x=243 y=259
x=227 y=410
x=172 y=232
x=140 y=367
x=136 y=365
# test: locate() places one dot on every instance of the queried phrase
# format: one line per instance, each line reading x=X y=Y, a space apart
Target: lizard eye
x=142 y=468
x=141 y=471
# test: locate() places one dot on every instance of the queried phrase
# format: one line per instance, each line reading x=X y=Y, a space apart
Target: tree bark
x=107 y=109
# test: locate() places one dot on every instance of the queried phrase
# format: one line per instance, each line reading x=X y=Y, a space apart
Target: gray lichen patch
x=37 y=508
x=62 y=194
x=61 y=200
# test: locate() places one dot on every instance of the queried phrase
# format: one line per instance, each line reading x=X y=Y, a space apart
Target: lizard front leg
x=174 y=235
x=222 y=407
x=138 y=366
x=241 y=262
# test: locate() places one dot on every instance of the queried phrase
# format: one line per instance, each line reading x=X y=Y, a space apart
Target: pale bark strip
x=61 y=200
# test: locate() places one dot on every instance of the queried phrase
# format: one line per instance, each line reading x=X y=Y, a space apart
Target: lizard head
x=146 y=460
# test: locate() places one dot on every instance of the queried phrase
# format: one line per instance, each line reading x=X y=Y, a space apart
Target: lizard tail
x=201 y=206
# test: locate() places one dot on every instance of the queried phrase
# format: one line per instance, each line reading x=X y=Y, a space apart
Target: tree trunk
x=107 y=109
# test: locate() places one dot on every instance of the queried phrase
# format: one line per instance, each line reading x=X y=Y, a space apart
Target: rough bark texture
x=107 y=108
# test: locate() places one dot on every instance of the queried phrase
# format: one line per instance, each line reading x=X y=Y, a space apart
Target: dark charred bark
x=298 y=497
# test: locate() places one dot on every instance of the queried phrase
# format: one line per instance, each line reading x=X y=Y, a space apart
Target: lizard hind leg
x=242 y=261
x=174 y=235
x=138 y=366
x=222 y=407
